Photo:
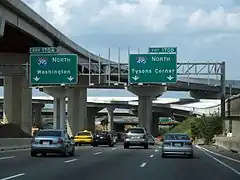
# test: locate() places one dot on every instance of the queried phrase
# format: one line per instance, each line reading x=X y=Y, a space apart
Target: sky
x=203 y=30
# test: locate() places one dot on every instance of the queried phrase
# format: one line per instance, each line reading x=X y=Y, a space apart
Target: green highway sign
x=43 y=50
x=165 y=119
x=46 y=69
x=162 y=50
x=152 y=68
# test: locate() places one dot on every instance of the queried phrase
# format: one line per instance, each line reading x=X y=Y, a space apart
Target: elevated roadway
x=181 y=107
x=19 y=23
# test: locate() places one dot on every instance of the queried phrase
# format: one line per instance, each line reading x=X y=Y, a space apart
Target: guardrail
x=230 y=143
x=14 y=143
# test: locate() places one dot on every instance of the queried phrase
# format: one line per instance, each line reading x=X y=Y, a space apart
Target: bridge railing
x=215 y=109
x=119 y=71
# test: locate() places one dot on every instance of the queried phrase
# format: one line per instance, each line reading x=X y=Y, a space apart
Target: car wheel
x=95 y=145
x=190 y=156
x=146 y=146
x=111 y=145
x=72 y=153
x=33 y=154
x=163 y=155
x=126 y=146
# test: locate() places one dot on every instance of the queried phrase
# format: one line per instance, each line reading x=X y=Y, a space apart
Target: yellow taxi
x=83 y=137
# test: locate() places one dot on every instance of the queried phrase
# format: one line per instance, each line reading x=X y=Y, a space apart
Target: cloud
x=77 y=17
x=217 y=19
x=201 y=29
x=144 y=16
x=84 y=16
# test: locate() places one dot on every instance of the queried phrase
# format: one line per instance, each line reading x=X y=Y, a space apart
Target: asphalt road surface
x=106 y=163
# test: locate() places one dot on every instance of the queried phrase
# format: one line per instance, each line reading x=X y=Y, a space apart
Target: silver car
x=52 y=141
x=177 y=144
x=136 y=136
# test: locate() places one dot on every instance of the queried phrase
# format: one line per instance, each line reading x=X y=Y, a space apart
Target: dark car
x=103 y=138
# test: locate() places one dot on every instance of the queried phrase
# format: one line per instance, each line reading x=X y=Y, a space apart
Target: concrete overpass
x=18 y=23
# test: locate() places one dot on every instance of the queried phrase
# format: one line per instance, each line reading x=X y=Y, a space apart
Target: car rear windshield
x=84 y=134
x=49 y=133
x=177 y=137
x=135 y=131
x=102 y=133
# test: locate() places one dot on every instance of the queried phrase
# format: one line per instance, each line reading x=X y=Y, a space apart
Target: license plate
x=178 y=144
x=45 y=142
x=101 y=137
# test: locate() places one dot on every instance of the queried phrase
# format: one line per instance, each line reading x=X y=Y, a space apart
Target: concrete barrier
x=230 y=143
x=14 y=143
x=199 y=141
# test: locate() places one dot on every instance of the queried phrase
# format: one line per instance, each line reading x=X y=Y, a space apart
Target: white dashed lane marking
x=7 y=157
x=12 y=177
x=143 y=165
x=97 y=153
x=71 y=160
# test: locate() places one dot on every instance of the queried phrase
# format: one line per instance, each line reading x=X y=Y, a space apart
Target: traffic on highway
x=56 y=155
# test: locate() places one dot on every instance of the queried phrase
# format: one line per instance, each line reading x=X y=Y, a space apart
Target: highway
x=106 y=163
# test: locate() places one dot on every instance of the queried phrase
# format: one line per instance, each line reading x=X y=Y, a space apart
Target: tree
x=207 y=127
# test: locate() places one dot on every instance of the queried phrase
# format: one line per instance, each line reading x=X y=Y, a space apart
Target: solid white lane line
x=143 y=165
x=151 y=156
x=71 y=160
x=234 y=170
x=156 y=150
x=114 y=149
x=97 y=153
x=14 y=176
x=7 y=157
x=217 y=154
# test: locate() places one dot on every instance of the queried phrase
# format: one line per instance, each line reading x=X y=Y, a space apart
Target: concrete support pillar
x=77 y=109
x=145 y=112
x=145 y=96
x=38 y=114
x=59 y=113
x=91 y=113
x=110 y=110
x=155 y=117
x=18 y=102
x=59 y=109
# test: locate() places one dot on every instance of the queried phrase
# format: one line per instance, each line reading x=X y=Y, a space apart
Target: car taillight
x=60 y=141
